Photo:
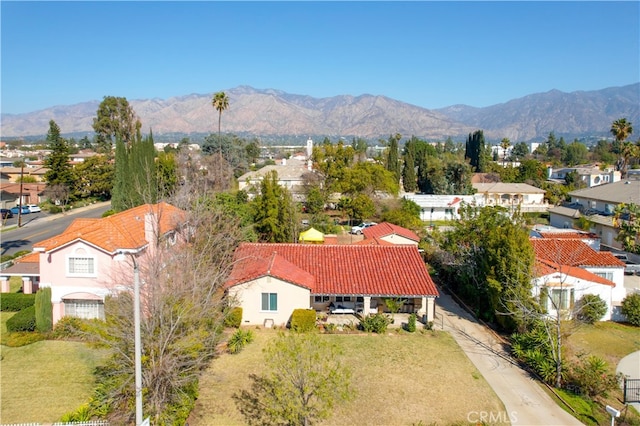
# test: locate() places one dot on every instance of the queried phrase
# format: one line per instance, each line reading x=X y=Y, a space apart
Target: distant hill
x=274 y=114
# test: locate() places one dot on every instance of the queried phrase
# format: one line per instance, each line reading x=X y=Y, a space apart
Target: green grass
x=44 y=380
x=609 y=340
x=398 y=378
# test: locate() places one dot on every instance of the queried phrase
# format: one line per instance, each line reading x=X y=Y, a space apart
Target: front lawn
x=609 y=340
x=44 y=380
x=400 y=379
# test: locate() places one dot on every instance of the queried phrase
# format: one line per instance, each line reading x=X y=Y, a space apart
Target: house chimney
x=150 y=228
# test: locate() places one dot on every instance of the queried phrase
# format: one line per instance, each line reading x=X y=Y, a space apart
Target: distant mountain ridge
x=274 y=113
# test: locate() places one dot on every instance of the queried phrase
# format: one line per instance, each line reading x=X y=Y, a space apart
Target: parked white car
x=34 y=208
x=359 y=228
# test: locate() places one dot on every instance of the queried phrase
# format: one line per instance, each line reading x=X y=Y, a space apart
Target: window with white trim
x=605 y=275
x=85 y=309
x=269 y=301
x=82 y=266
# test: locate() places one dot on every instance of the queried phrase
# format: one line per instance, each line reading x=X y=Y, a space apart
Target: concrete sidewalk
x=629 y=366
x=524 y=399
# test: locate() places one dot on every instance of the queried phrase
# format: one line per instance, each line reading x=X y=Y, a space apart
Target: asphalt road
x=40 y=226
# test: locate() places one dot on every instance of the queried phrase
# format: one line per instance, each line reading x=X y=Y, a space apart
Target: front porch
x=342 y=305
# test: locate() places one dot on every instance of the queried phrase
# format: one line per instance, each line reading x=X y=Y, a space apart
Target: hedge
x=25 y=320
x=303 y=320
x=14 y=302
x=44 y=310
x=233 y=318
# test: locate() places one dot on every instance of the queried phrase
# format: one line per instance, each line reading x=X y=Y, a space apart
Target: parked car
x=359 y=228
x=34 y=208
x=16 y=210
x=6 y=214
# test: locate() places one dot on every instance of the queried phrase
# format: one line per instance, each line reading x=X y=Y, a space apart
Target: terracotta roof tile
x=375 y=241
x=385 y=228
x=573 y=252
x=580 y=235
x=543 y=268
x=124 y=230
x=339 y=269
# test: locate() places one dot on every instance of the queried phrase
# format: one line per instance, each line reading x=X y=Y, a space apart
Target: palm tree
x=621 y=129
x=505 y=143
x=220 y=102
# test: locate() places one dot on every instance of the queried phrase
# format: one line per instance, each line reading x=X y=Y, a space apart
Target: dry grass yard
x=400 y=379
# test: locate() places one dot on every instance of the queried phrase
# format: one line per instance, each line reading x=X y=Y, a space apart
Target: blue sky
x=430 y=54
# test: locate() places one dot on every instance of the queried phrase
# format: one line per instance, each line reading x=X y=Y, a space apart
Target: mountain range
x=276 y=115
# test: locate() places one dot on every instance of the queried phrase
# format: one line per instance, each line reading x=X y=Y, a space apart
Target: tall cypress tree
x=393 y=165
x=409 y=181
x=119 y=192
x=475 y=151
x=136 y=180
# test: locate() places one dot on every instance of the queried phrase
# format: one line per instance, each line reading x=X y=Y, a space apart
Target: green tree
x=393 y=163
x=627 y=220
x=409 y=178
x=57 y=162
x=114 y=119
x=94 y=178
x=575 y=153
x=136 y=178
x=590 y=308
x=631 y=308
x=274 y=212
x=476 y=151
x=488 y=260
x=167 y=169
x=520 y=151
x=305 y=380
x=621 y=129
x=44 y=310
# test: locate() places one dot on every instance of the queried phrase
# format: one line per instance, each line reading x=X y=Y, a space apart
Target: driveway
x=629 y=366
x=525 y=401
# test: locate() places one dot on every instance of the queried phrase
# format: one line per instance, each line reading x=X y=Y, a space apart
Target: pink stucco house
x=80 y=264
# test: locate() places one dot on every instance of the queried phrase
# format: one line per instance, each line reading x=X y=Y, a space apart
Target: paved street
x=525 y=401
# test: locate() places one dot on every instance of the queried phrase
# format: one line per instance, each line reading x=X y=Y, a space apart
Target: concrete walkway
x=525 y=401
x=629 y=366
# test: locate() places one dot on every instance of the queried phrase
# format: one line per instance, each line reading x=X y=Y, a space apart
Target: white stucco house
x=567 y=269
x=591 y=175
x=269 y=281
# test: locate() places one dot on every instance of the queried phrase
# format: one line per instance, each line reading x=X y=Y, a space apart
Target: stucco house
x=290 y=175
x=592 y=175
x=80 y=265
x=567 y=269
x=269 y=281
x=597 y=204
x=511 y=195
x=439 y=207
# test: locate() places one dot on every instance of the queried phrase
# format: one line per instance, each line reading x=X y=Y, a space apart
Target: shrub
x=25 y=320
x=76 y=328
x=303 y=320
x=55 y=209
x=21 y=338
x=239 y=340
x=377 y=323
x=108 y=213
x=330 y=328
x=631 y=308
x=411 y=325
x=590 y=308
x=591 y=376
x=44 y=310
x=233 y=318
x=14 y=302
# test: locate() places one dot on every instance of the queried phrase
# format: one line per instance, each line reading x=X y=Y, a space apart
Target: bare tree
x=182 y=315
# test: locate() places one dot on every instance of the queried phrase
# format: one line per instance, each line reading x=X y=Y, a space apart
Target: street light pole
x=137 y=340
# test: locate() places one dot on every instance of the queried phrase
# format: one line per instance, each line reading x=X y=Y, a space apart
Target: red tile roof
x=543 y=268
x=581 y=235
x=124 y=230
x=373 y=242
x=337 y=269
x=385 y=229
x=573 y=252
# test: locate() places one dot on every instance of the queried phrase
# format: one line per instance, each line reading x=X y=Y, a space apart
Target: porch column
x=423 y=307
x=4 y=284
x=431 y=308
x=27 y=285
x=367 y=306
